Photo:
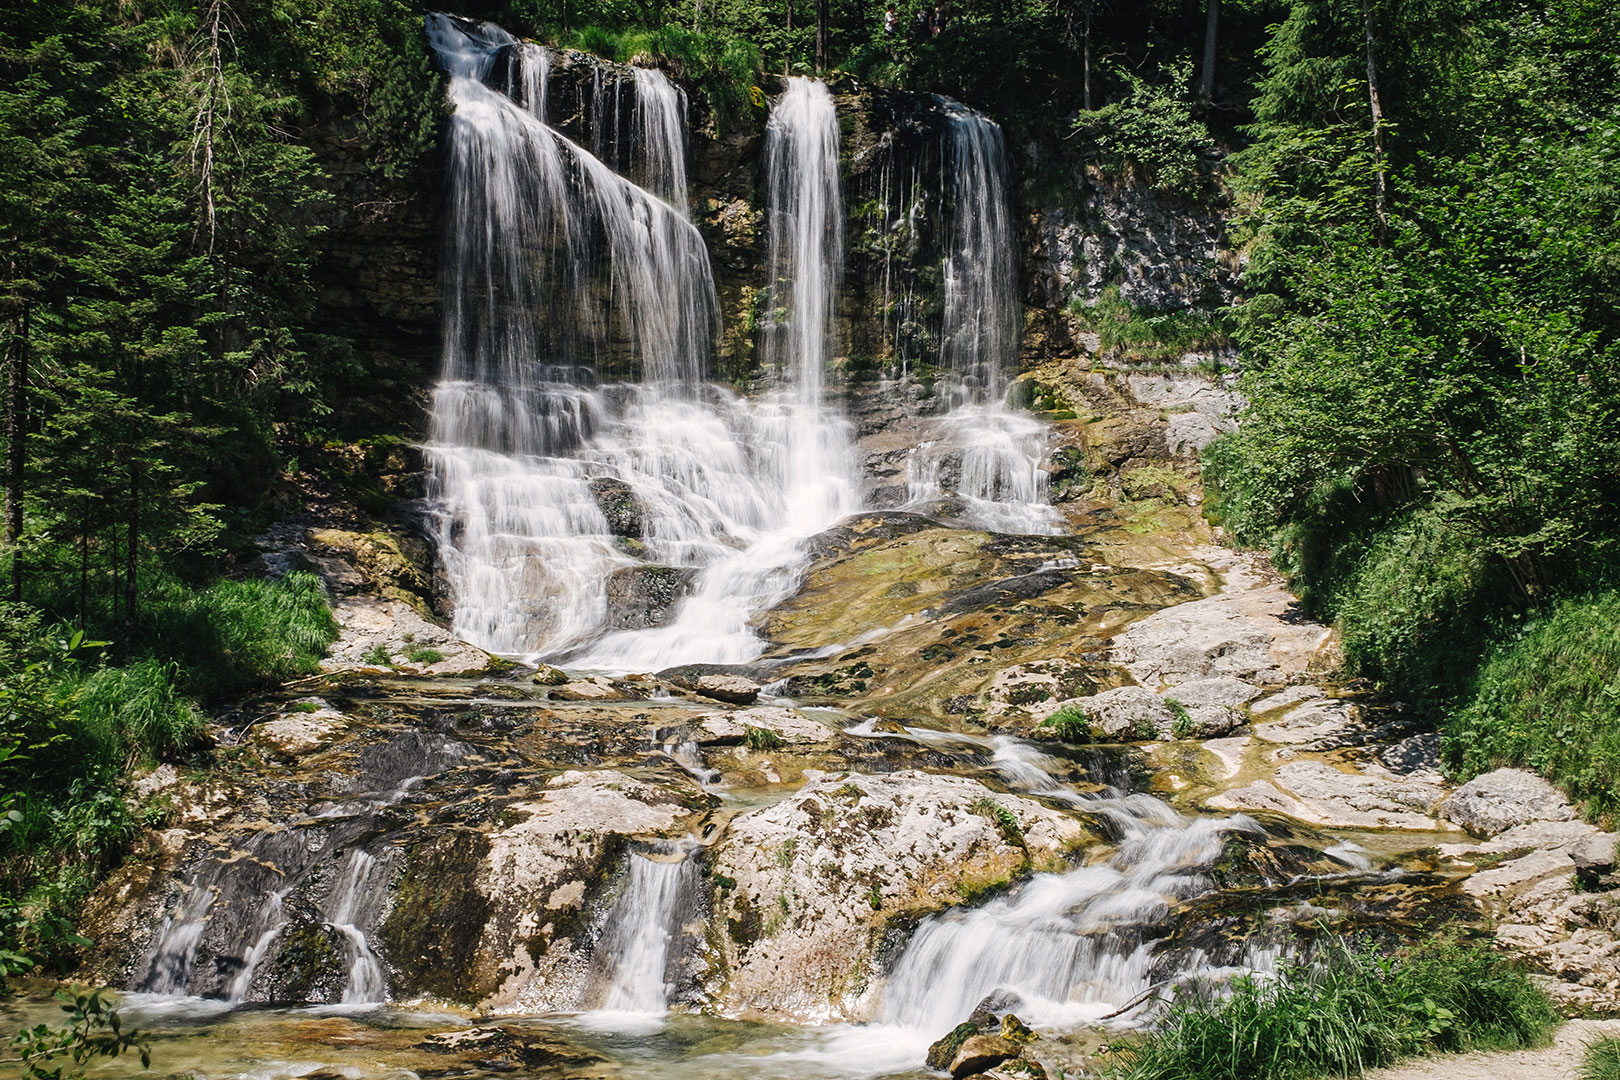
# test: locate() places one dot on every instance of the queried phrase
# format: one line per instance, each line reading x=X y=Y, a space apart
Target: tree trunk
x=16 y=443
x=1086 y=36
x=1380 y=173
x=133 y=543
x=1206 y=79
x=823 y=46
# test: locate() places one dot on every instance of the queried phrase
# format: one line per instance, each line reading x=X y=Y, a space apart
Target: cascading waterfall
x=1066 y=947
x=360 y=890
x=658 y=142
x=566 y=282
x=641 y=936
x=986 y=454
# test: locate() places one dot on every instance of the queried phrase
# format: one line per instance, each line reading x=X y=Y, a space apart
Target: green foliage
x=1547 y=697
x=423 y=655
x=758 y=738
x=1181 y=725
x=1346 y=1012
x=134 y=715
x=1141 y=335
x=92 y=1030
x=1070 y=724
x=1601 y=1060
x=1150 y=131
x=378 y=655
x=1005 y=821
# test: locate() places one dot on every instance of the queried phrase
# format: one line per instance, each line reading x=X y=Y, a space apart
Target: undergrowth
x=1070 y=724
x=1548 y=698
x=1143 y=335
x=1348 y=1011
x=1601 y=1060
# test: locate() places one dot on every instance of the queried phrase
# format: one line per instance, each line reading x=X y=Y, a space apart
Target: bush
x=758 y=738
x=1548 y=699
x=1151 y=130
x=1145 y=335
x=1347 y=1012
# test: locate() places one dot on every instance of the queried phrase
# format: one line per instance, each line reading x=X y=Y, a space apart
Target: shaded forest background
x=1425 y=193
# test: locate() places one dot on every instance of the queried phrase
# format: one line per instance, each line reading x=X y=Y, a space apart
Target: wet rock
x=1015 y=1029
x=376 y=634
x=789 y=725
x=597 y=688
x=1287 y=698
x=732 y=689
x=1417 y=757
x=981 y=1052
x=1320 y=724
x=1498 y=800
x=618 y=502
x=544 y=860
x=299 y=732
x=546 y=675
x=644 y=597
x=811 y=884
x=943 y=1052
x=1039 y=687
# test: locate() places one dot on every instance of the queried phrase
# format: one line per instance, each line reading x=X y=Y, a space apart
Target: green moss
x=438 y=918
x=1005 y=821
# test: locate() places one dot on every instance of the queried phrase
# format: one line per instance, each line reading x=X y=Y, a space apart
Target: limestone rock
x=731 y=728
x=1319 y=794
x=546 y=675
x=534 y=877
x=982 y=1052
x=1126 y=712
x=645 y=596
x=943 y=1051
x=298 y=733
x=1498 y=800
x=619 y=505
x=1594 y=858
x=810 y=885
x=1222 y=690
x=732 y=689
x=596 y=688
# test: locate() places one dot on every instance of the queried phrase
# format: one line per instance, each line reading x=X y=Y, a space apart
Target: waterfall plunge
x=987 y=454
x=580 y=314
x=643 y=932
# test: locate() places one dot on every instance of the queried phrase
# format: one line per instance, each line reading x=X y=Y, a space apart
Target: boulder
x=1495 y=801
x=732 y=689
x=731 y=728
x=644 y=597
x=980 y=1053
x=1126 y=712
x=943 y=1052
x=618 y=502
x=809 y=887
x=1594 y=858
x=1317 y=793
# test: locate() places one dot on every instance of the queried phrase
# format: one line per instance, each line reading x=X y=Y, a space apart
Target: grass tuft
x=1070 y=724
x=1601 y=1060
x=1347 y=1012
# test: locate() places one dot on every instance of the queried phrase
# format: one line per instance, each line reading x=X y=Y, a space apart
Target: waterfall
x=356 y=898
x=576 y=447
x=1061 y=942
x=984 y=453
x=980 y=335
x=640 y=940
x=658 y=141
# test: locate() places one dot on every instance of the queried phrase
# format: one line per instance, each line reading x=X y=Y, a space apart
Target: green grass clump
x=1601 y=1060
x=1070 y=724
x=1005 y=821
x=136 y=714
x=378 y=654
x=1142 y=335
x=758 y=738
x=238 y=635
x=422 y=655
x=1347 y=1012
x=1548 y=699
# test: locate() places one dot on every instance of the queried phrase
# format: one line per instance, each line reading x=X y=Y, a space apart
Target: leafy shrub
x=1548 y=698
x=424 y=655
x=1151 y=130
x=1181 y=726
x=1070 y=724
x=1347 y=1012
